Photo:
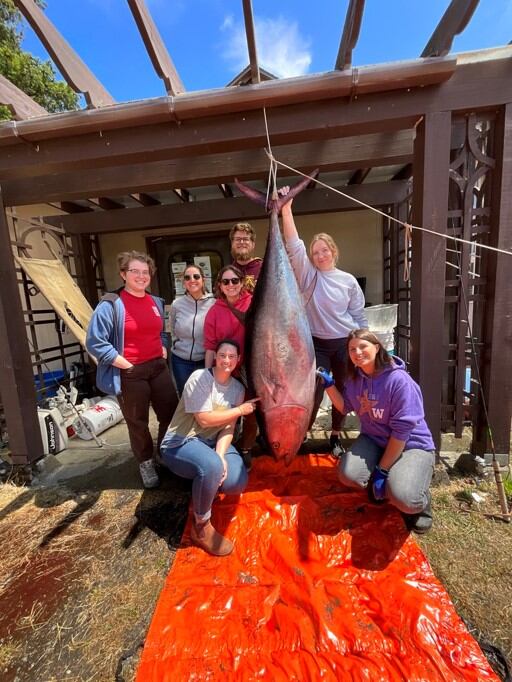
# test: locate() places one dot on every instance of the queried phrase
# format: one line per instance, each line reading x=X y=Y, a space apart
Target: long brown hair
x=382 y=358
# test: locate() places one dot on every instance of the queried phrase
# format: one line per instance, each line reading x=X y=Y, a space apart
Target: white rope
x=407 y=226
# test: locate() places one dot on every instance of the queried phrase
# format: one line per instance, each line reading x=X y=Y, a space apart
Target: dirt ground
x=82 y=564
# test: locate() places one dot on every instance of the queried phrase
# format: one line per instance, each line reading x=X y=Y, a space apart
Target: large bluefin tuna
x=281 y=358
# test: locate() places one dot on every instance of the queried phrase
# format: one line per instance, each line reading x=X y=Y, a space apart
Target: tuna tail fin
x=296 y=189
x=274 y=204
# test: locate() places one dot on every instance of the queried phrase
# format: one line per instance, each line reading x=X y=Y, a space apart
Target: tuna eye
x=276 y=445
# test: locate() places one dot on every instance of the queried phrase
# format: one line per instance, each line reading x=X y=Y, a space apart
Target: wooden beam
x=453 y=22
x=496 y=363
x=226 y=190
x=145 y=199
x=404 y=173
x=71 y=207
x=77 y=74
x=340 y=154
x=16 y=373
x=160 y=58
x=20 y=105
x=478 y=86
x=359 y=176
x=350 y=34
x=182 y=194
x=251 y=41
x=106 y=203
x=430 y=209
x=219 y=210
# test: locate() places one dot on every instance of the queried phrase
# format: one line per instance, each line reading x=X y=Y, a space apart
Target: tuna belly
x=285 y=428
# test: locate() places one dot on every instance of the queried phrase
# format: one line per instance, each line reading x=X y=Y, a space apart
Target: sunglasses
x=230 y=280
x=195 y=276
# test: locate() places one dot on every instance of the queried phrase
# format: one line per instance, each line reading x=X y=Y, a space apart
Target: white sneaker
x=148 y=474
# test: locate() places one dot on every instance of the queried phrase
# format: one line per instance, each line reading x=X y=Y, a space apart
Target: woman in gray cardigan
x=187 y=323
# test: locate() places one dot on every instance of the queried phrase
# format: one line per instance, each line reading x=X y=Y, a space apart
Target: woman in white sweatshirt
x=334 y=305
x=187 y=324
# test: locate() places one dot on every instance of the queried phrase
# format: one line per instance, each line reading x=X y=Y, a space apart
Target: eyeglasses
x=239 y=240
x=195 y=276
x=230 y=280
x=139 y=273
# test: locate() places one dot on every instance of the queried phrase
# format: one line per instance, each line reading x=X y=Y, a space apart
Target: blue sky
x=206 y=38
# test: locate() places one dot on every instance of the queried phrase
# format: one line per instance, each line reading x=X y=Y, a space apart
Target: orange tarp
x=322 y=585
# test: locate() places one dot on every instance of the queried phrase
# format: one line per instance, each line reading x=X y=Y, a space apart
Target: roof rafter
x=453 y=22
x=212 y=211
x=20 y=104
x=77 y=74
x=251 y=41
x=145 y=199
x=359 y=176
x=160 y=58
x=350 y=34
x=338 y=154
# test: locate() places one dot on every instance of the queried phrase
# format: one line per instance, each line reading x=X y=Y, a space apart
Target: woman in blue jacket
x=393 y=457
x=127 y=339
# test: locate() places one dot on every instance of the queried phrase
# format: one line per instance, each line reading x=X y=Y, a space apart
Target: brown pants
x=142 y=385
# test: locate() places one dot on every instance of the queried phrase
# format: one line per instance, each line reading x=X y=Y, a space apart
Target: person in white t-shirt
x=198 y=443
x=334 y=305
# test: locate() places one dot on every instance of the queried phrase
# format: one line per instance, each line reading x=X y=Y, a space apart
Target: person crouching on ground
x=393 y=457
x=198 y=443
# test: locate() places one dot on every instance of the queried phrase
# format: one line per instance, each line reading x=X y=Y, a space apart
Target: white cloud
x=281 y=48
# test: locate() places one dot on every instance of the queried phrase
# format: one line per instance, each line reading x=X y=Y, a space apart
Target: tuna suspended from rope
x=281 y=358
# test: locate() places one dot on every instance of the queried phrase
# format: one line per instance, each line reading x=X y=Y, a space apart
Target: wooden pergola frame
x=412 y=114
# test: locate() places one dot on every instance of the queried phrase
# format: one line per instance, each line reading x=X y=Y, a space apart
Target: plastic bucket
x=382 y=317
x=387 y=339
x=98 y=418
x=50 y=380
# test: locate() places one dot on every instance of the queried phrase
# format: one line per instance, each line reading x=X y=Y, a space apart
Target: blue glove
x=325 y=376
x=378 y=481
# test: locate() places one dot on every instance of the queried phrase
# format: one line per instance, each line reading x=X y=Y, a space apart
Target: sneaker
x=337 y=448
x=205 y=536
x=420 y=523
x=148 y=474
x=246 y=458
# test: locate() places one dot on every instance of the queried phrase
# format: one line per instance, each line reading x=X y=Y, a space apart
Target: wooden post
x=430 y=207
x=16 y=374
x=496 y=366
x=86 y=275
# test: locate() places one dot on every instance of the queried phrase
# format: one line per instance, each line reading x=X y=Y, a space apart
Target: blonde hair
x=330 y=243
x=242 y=227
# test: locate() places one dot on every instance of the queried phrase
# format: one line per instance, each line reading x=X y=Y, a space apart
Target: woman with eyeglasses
x=334 y=305
x=188 y=313
x=226 y=319
x=198 y=445
x=127 y=339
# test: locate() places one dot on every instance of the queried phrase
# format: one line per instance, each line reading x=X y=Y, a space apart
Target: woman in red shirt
x=126 y=337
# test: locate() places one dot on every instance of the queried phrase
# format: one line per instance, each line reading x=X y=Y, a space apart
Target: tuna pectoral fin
x=272 y=389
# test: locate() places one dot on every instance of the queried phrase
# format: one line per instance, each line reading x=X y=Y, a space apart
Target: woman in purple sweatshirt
x=393 y=457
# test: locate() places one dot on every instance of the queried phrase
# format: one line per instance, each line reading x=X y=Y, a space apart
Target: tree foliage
x=35 y=77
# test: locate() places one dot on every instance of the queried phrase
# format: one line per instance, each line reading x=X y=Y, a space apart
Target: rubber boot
x=205 y=536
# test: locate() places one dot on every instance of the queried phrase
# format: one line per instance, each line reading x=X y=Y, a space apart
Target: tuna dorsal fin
x=274 y=204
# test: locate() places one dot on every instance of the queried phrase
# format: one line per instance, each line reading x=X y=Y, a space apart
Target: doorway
x=173 y=254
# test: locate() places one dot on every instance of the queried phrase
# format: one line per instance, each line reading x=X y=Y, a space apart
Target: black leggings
x=331 y=354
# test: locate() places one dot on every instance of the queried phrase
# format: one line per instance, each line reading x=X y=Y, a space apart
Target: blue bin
x=50 y=385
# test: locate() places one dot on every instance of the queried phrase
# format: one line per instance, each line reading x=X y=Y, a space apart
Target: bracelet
x=241 y=413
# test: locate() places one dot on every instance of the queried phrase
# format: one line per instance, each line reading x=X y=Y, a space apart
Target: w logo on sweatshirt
x=378 y=412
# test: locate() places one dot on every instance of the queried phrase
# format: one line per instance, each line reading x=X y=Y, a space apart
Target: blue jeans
x=198 y=461
x=182 y=369
x=409 y=477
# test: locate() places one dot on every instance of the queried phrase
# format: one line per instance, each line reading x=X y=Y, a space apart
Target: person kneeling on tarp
x=198 y=445
x=393 y=457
